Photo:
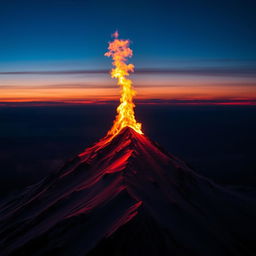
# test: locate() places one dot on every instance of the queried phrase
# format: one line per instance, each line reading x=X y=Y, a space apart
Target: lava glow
x=119 y=51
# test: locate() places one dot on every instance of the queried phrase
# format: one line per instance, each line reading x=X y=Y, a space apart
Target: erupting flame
x=119 y=51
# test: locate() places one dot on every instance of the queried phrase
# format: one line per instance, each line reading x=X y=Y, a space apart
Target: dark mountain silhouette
x=128 y=196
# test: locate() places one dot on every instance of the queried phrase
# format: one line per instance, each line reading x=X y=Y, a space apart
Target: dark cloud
x=238 y=71
x=59 y=86
x=60 y=72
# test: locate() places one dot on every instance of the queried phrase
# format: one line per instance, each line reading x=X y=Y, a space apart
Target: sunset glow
x=104 y=91
x=179 y=84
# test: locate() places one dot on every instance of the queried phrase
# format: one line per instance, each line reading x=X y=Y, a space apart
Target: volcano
x=127 y=196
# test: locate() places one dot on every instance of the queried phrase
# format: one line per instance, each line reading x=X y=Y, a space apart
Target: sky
x=184 y=51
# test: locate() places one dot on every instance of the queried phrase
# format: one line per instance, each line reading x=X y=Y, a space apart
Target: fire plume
x=119 y=50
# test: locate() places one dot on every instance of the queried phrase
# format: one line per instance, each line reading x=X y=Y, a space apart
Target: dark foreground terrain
x=127 y=196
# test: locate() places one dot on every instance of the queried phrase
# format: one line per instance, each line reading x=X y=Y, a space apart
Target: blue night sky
x=70 y=30
x=45 y=35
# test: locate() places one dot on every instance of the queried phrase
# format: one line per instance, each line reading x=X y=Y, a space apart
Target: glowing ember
x=119 y=51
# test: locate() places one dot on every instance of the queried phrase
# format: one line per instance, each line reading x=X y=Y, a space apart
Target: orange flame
x=119 y=51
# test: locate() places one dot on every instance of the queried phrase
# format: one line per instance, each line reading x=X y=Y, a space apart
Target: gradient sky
x=183 y=50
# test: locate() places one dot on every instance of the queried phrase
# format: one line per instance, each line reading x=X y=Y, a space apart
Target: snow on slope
x=127 y=197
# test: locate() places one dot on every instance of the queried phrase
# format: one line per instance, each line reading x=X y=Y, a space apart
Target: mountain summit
x=126 y=196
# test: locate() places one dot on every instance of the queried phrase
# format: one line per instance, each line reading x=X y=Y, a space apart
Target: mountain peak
x=127 y=133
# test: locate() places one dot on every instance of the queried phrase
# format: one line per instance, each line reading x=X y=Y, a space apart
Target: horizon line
x=173 y=102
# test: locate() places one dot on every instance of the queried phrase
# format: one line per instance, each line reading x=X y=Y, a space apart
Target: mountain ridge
x=120 y=181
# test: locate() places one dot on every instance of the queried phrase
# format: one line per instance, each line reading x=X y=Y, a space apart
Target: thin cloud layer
x=238 y=71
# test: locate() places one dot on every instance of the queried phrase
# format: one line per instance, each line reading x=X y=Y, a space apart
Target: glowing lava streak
x=119 y=51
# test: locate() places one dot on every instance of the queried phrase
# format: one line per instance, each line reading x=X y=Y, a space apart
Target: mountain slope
x=127 y=196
